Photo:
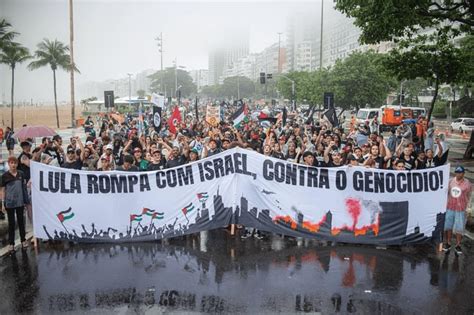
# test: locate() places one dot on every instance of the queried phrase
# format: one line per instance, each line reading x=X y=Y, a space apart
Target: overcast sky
x=113 y=38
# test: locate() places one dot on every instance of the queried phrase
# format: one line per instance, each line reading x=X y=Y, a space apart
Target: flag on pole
x=202 y=196
x=332 y=116
x=240 y=117
x=157 y=118
x=174 y=120
x=65 y=215
x=148 y=212
x=135 y=217
x=158 y=215
x=188 y=209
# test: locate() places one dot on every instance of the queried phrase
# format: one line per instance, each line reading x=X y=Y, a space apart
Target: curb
x=4 y=251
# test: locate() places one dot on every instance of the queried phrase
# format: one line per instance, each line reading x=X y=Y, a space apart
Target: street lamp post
x=279 y=52
x=129 y=89
x=160 y=44
x=321 y=38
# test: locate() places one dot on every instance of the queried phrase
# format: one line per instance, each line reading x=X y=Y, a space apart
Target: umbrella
x=34 y=132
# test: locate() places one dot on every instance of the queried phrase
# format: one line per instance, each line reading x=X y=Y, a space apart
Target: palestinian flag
x=135 y=217
x=65 y=215
x=240 y=117
x=158 y=215
x=188 y=209
x=203 y=197
x=148 y=212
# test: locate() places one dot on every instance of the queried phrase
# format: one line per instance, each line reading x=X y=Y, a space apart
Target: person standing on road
x=459 y=196
x=10 y=141
x=15 y=195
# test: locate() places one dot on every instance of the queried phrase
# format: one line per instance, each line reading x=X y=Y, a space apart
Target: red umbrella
x=34 y=132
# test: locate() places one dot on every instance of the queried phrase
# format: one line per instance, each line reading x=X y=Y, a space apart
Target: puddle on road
x=227 y=275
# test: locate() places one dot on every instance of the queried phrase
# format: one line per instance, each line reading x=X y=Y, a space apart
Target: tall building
x=267 y=60
x=200 y=78
x=340 y=37
x=216 y=65
x=226 y=53
x=142 y=81
x=303 y=39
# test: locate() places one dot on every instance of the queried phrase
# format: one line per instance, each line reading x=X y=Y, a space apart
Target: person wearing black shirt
x=74 y=159
x=15 y=199
x=377 y=158
x=175 y=158
x=127 y=165
x=54 y=150
x=211 y=149
x=24 y=159
x=158 y=162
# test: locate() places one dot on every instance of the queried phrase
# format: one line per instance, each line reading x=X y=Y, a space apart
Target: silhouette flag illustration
x=65 y=215
x=202 y=196
x=187 y=209
x=135 y=217
x=158 y=215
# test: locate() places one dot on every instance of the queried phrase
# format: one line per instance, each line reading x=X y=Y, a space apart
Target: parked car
x=462 y=124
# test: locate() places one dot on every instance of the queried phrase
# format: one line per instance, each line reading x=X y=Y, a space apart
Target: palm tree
x=6 y=36
x=12 y=55
x=55 y=54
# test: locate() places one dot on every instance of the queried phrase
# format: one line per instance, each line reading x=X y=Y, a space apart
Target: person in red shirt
x=459 y=196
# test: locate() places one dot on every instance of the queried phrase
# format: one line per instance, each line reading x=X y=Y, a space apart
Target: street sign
x=328 y=100
x=269 y=76
x=109 y=99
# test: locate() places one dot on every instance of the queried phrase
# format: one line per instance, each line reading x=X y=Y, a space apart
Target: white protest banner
x=346 y=204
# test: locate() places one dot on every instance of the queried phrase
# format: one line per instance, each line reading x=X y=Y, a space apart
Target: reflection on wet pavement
x=212 y=272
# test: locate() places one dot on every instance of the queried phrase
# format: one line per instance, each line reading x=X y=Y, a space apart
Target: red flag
x=174 y=120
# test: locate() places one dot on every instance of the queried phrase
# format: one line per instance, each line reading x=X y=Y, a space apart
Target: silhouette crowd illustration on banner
x=388 y=223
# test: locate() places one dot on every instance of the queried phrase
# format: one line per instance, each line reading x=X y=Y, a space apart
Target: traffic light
x=262 y=77
x=328 y=101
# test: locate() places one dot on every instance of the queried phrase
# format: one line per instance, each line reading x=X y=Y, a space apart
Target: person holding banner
x=13 y=186
x=459 y=197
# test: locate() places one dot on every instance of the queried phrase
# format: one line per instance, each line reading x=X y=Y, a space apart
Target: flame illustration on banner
x=203 y=196
x=307 y=225
x=65 y=215
x=354 y=208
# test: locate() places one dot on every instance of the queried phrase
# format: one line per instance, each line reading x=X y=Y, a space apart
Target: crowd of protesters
x=134 y=144
x=110 y=145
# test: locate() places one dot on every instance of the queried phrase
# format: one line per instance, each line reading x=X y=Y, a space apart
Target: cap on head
x=459 y=169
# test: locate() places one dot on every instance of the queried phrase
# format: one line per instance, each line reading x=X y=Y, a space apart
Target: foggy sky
x=113 y=38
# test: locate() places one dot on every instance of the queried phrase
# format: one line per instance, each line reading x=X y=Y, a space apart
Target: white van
x=367 y=114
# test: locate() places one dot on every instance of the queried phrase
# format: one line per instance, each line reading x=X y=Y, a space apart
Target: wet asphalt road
x=214 y=272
